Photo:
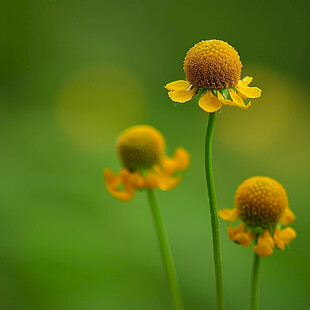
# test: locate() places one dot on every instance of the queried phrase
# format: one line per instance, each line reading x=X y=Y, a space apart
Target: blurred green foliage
x=73 y=74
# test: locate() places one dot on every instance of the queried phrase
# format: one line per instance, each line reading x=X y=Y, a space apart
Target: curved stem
x=255 y=282
x=165 y=251
x=213 y=213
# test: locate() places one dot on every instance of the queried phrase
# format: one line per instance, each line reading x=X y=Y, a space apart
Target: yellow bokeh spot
x=275 y=131
x=99 y=102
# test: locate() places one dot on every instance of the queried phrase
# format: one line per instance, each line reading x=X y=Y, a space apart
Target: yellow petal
x=277 y=239
x=229 y=215
x=263 y=250
x=287 y=217
x=181 y=158
x=150 y=181
x=113 y=182
x=209 y=102
x=166 y=182
x=240 y=236
x=248 y=92
x=288 y=234
x=265 y=245
x=181 y=96
x=225 y=101
x=178 y=85
x=237 y=99
x=246 y=80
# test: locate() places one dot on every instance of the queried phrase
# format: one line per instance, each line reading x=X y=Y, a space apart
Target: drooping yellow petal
x=178 y=85
x=240 y=236
x=237 y=99
x=229 y=215
x=225 y=101
x=277 y=239
x=287 y=217
x=113 y=182
x=248 y=92
x=265 y=245
x=181 y=158
x=209 y=102
x=182 y=96
x=165 y=181
x=285 y=235
x=150 y=181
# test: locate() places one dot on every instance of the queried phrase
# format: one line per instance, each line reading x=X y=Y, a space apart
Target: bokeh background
x=73 y=74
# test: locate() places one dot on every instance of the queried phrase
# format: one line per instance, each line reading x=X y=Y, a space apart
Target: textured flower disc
x=212 y=64
x=260 y=201
x=140 y=147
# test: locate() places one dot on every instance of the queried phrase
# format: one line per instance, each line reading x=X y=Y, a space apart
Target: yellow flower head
x=213 y=70
x=142 y=152
x=261 y=204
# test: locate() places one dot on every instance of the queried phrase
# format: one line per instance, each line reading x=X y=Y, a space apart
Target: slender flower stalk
x=213 y=213
x=141 y=150
x=165 y=251
x=255 y=283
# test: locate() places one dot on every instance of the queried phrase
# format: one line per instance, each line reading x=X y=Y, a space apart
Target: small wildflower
x=141 y=150
x=261 y=204
x=213 y=71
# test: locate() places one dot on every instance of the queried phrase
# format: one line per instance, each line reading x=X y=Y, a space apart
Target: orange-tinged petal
x=181 y=96
x=209 y=102
x=265 y=245
x=287 y=217
x=113 y=182
x=229 y=215
x=240 y=236
x=178 y=85
x=277 y=239
x=166 y=182
x=237 y=99
x=181 y=158
x=263 y=250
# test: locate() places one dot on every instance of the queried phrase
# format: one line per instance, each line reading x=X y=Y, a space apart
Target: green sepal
x=258 y=230
x=225 y=93
x=214 y=92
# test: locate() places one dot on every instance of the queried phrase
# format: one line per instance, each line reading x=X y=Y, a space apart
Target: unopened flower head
x=213 y=71
x=141 y=150
x=261 y=204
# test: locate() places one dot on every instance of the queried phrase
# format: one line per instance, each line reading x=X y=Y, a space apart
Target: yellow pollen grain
x=212 y=64
x=260 y=201
x=140 y=147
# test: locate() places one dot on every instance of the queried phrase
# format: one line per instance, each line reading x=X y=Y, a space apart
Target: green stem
x=165 y=251
x=255 y=282
x=213 y=213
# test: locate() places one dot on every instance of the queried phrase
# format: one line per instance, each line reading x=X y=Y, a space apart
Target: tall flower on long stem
x=261 y=204
x=213 y=71
x=141 y=150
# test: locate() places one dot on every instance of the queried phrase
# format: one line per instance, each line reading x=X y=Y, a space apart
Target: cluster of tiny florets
x=260 y=201
x=140 y=147
x=212 y=64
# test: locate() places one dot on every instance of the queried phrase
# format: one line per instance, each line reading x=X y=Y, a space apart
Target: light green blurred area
x=73 y=74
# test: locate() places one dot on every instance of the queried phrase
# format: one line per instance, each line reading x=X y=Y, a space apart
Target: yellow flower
x=141 y=150
x=261 y=204
x=213 y=71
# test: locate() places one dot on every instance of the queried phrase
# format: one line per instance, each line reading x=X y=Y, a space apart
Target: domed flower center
x=140 y=147
x=212 y=64
x=260 y=201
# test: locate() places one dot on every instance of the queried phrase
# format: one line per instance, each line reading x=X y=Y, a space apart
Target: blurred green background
x=73 y=74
